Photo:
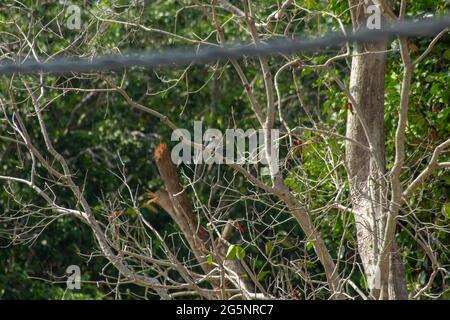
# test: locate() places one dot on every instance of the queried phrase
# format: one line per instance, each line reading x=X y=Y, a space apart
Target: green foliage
x=101 y=135
x=235 y=252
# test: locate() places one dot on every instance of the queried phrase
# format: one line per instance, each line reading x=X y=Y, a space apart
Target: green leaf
x=309 y=245
x=240 y=252
x=131 y=212
x=286 y=243
x=209 y=259
x=269 y=246
x=362 y=282
x=446 y=210
x=235 y=251
x=231 y=253
x=311 y=4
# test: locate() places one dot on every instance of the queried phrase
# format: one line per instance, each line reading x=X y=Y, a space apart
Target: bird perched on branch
x=297 y=149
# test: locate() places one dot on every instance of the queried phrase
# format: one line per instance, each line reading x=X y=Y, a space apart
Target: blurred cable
x=186 y=56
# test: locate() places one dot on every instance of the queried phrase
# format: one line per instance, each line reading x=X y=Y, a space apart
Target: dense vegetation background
x=100 y=135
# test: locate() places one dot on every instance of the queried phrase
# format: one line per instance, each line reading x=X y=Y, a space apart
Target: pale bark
x=366 y=175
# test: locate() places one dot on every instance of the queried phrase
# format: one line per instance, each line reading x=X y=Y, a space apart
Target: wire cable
x=184 y=56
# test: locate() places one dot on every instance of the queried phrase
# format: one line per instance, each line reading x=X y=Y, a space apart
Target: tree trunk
x=365 y=170
x=177 y=204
